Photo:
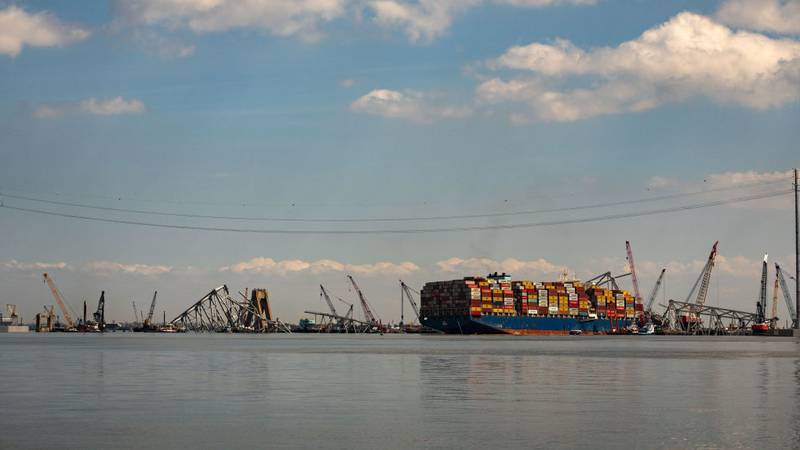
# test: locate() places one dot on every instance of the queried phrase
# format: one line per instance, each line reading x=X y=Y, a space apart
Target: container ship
x=496 y=304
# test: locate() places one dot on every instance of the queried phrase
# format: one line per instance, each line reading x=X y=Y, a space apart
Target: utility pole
x=796 y=258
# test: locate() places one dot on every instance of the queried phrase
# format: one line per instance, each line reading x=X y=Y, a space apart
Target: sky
x=354 y=136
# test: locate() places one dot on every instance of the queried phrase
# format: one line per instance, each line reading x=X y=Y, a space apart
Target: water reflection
x=392 y=392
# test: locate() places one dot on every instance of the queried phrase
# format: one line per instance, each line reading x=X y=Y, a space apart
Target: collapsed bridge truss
x=218 y=312
x=693 y=318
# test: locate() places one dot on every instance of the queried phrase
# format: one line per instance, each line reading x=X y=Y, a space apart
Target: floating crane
x=786 y=295
x=406 y=292
x=100 y=314
x=761 y=326
x=368 y=315
x=60 y=301
x=691 y=319
x=149 y=320
x=652 y=297
x=635 y=280
x=704 y=280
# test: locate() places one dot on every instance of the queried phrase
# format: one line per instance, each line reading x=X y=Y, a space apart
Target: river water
x=140 y=391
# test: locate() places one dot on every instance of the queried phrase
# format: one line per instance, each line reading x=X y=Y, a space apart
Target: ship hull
x=524 y=325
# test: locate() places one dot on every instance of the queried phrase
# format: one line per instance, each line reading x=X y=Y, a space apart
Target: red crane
x=633 y=271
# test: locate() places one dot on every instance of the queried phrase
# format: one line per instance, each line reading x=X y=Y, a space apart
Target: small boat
x=576 y=332
x=648 y=328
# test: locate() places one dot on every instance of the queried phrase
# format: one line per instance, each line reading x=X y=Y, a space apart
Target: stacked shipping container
x=497 y=295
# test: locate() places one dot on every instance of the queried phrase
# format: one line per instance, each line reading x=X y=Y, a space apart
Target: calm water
x=142 y=391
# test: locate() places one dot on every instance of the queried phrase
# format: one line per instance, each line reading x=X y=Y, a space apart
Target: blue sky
x=378 y=109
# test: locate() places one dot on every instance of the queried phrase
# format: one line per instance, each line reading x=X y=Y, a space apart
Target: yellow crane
x=60 y=301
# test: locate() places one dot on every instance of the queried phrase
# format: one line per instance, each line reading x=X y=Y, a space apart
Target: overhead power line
x=386 y=219
x=415 y=230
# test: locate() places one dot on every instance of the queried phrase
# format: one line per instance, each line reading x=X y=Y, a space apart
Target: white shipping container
x=542 y=293
x=573 y=297
x=543 y=303
x=533 y=312
x=573 y=311
x=509 y=302
x=553 y=310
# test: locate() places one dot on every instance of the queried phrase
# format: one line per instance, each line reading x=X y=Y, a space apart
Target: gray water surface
x=141 y=391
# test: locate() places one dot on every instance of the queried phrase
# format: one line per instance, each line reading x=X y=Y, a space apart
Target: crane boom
x=786 y=295
x=149 y=319
x=761 y=306
x=59 y=300
x=774 y=316
x=324 y=293
x=350 y=306
x=364 y=304
x=633 y=270
x=652 y=297
x=100 y=314
x=135 y=313
x=704 y=280
x=407 y=292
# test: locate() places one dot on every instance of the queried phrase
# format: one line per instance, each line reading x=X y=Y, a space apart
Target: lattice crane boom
x=149 y=319
x=364 y=304
x=408 y=294
x=652 y=297
x=59 y=300
x=704 y=280
x=323 y=293
x=761 y=306
x=786 y=294
x=774 y=316
x=635 y=280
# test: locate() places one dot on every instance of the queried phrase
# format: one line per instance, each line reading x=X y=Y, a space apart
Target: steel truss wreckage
x=713 y=320
x=218 y=312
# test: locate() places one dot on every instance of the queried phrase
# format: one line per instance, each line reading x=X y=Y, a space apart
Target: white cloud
x=516 y=267
x=108 y=267
x=778 y=16
x=425 y=20
x=422 y=21
x=298 y=18
x=111 y=106
x=16 y=265
x=103 y=107
x=408 y=105
x=689 y=55
x=270 y=266
x=19 y=28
